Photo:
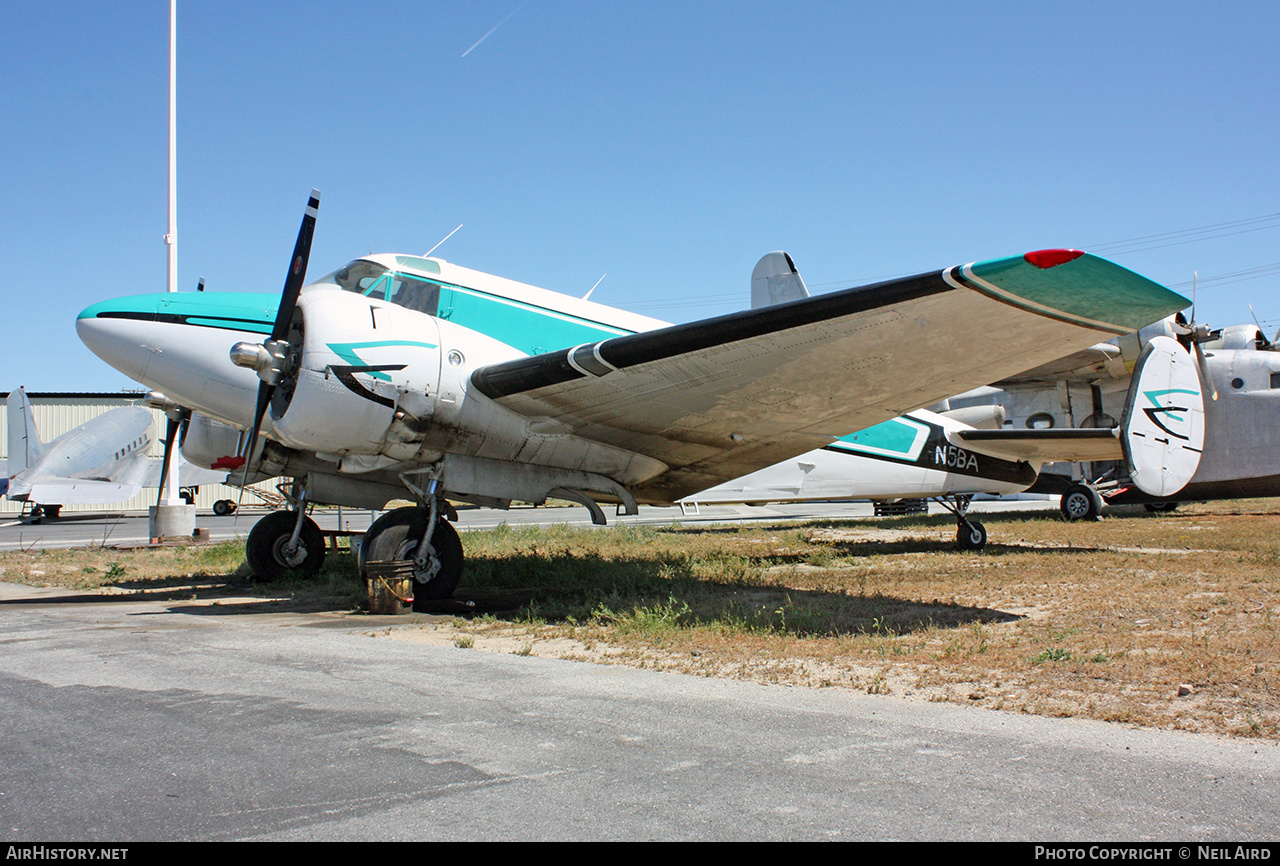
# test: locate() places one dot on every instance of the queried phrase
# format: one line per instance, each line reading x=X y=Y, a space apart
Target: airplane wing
x=717 y=399
x=1099 y=361
x=189 y=475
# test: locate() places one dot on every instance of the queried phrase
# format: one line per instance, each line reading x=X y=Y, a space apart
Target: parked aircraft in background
x=1240 y=369
x=399 y=376
x=102 y=461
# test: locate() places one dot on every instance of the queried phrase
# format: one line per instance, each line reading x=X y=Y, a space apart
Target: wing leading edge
x=717 y=399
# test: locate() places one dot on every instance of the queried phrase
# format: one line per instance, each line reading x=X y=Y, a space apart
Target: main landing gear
x=423 y=537
x=970 y=534
x=34 y=512
x=286 y=543
x=1081 y=502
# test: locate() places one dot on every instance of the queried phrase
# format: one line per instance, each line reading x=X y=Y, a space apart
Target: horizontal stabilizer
x=1163 y=419
x=1045 y=446
x=984 y=417
x=78 y=492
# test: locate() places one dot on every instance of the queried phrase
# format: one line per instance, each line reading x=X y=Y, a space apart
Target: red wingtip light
x=1045 y=259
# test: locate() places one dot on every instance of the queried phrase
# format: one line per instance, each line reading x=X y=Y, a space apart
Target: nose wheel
x=437 y=565
x=272 y=552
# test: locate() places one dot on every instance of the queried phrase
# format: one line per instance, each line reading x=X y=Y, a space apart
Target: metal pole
x=171 y=239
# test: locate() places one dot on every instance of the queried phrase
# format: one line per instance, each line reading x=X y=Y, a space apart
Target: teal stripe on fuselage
x=236 y=311
x=531 y=329
x=899 y=438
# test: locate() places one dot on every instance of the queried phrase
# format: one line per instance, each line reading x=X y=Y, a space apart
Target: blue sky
x=667 y=145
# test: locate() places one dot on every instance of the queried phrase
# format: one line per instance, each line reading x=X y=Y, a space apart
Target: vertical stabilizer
x=775 y=280
x=24 y=440
x=1163 y=424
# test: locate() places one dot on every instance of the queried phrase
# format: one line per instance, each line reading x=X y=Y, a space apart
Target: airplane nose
x=178 y=344
x=111 y=331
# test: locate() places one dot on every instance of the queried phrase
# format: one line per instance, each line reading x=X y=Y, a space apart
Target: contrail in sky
x=495 y=27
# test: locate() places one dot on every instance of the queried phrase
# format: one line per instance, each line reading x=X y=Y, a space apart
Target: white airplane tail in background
x=775 y=280
x=25 y=449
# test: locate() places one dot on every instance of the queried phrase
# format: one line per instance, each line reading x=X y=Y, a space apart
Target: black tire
x=971 y=536
x=1160 y=507
x=264 y=548
x=395 y=535
x=187 y=496
x=52 y=510
x=1080 y=502
x=223 y=507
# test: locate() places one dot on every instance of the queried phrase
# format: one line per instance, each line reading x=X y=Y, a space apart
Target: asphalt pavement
x=254 y=719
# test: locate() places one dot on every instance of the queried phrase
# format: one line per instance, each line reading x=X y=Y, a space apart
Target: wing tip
x=1045 y=259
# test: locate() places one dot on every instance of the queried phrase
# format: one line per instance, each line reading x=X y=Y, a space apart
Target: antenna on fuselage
x=593 y=288
x=442 y=240
x=200 y=285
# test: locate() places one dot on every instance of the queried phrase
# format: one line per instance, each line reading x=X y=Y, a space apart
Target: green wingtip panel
x=1087 y=288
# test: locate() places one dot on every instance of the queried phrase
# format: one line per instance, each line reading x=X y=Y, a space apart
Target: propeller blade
x=1205 y=379
x=297 y=269
x=284 y=315
x=264 y=400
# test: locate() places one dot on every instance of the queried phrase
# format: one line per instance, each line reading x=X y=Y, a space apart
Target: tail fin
x=25 y=449
x=1163 y=424
x=775 y=280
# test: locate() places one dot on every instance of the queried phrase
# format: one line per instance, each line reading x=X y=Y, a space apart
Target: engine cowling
x=361 y=361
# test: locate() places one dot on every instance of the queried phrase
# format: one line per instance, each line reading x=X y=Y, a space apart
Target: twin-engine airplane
x=402 y=376
x=1239 y=375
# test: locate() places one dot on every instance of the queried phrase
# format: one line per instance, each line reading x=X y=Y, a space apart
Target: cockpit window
x=378 y=281
x=359 y=276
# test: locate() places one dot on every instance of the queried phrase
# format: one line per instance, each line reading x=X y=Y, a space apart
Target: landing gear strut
x=286 y=543
x=970 y=534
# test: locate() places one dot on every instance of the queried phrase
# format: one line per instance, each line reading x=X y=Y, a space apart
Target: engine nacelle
x=361 y=362
x=1239 y=337
x=209 y=443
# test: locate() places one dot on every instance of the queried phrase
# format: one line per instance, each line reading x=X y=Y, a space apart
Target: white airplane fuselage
x=81 y=466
